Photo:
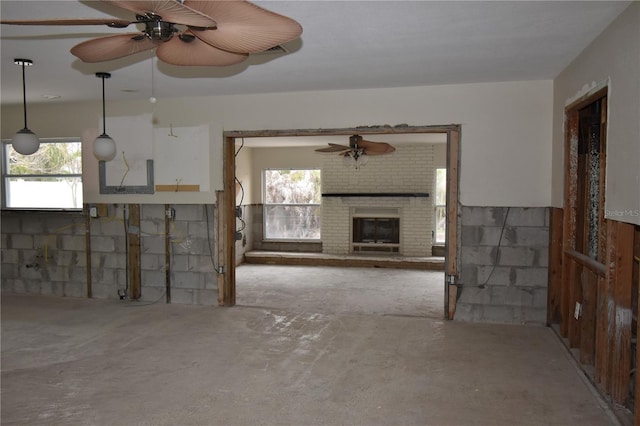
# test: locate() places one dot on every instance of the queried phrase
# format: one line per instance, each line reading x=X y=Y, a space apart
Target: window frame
x=4 y=170
x=265 y=205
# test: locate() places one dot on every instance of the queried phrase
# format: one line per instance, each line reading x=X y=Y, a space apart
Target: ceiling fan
x=185 y=32
x=358 y=149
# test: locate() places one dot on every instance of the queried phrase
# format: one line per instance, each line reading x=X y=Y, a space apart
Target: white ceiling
x=345 y=45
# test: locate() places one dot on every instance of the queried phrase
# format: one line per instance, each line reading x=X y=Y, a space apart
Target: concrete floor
x=282 y=361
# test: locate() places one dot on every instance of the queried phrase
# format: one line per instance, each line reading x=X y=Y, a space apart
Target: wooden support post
x=636 y=278
x=554 y=290
x=133 y=235
x=87 y=249
x=219 y=243
x=575 y=272
x=588 y=319
x=620 y=273
x=167 y=252
x=229 y=205
x=451 y=259
x=603 y=325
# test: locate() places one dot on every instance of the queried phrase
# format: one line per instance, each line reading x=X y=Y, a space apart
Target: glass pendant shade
x=25 y=142
x=104 y=148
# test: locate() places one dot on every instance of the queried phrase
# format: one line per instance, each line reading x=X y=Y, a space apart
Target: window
x=441 y=206
x=51 y=178
x=292 y=204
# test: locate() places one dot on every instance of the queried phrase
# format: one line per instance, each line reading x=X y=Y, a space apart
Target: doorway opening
x=229 y=210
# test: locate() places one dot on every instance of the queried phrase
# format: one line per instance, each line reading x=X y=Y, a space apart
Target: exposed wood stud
x=133 y=231
x=588 y=319
x=620 y=264
x=167 y=253
x=220 y=252
x=575 y=298
x=87 y=250
x=451 y=259
x=554 y=298
x=229 y=201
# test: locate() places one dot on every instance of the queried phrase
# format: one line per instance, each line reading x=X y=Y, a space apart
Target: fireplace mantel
x=378 y=194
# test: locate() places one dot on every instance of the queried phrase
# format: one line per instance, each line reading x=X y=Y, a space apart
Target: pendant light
x=104 y=148
x=25 y=142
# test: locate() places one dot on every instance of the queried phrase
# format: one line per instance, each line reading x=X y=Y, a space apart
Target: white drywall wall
x=506 y=130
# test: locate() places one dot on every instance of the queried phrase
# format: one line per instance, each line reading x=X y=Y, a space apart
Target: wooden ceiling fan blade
x=112 y=47
x=115 y=23
x=376 y=148
x=333 y=148
x=169 y=10
x=195 y=52
x=244 y=27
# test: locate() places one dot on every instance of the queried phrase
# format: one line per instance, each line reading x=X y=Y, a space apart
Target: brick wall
x=193 y=278
x=505 y=283
x=409 y=169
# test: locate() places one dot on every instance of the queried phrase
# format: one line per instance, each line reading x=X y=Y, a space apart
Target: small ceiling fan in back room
x=186 y=33
x=358 y=150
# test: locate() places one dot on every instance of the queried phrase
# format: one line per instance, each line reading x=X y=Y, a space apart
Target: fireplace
x=375 y=233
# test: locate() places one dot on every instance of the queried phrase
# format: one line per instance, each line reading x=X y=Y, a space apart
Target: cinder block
x=205 y=297
x=532 y=315
x=115 y=261
x=499 y=314
x=74 y=243
x=532 y=237
x=7 y=284
x=527 y=216
x=182 y=296
x=475 y=295
x=151 y=262
x=482 y=216
x=66 y=258
x=19 y=286
x=200 y=229
x=33 y=225
x=211 y=281
x=58 y=273
x=153 y=244
x=531 y=277
x=75 y=289
x=9 y=256
x=52 y=289
x=516 y=256
x=540 y=298
x=78 y=275
x=9 y=270
x=495 y=276
x=32 y=273
x=64 y=225
x=466 y=312
x=518 y=296
x=192 y=280
x=542 y=257
x=101 y=244
x=10 y=223
x=150 y=228
x=153 y=294
x=21 y=241
x=188 y=212
x=153 y=279
x=109 y=228
x=152 y=212
x=104 y=291
x=477 y=255
x=200 y=263
x=179 y=263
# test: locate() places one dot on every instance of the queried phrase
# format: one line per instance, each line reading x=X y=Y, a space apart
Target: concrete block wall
x=409 y=169
x=505 y=283
x=28 y=236
x=44 y=253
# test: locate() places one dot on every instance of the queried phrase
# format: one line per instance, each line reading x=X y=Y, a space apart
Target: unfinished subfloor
x=281 y=360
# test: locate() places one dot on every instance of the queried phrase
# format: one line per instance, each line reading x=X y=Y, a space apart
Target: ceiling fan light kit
x=25 y=142
x=104 y=147
x=358 y=152
x=218 y=33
